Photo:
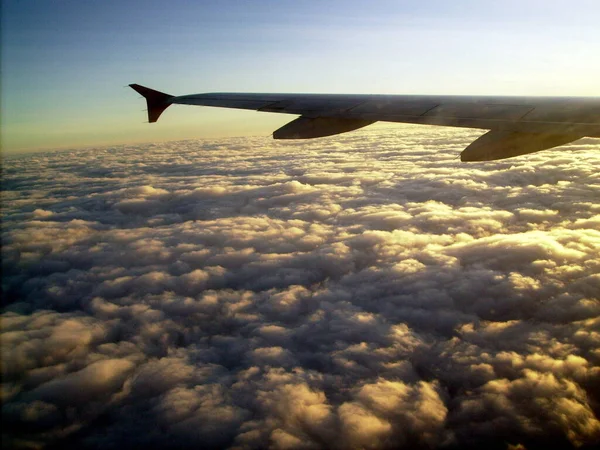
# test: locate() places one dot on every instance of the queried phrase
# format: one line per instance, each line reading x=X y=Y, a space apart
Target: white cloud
x=362 y=291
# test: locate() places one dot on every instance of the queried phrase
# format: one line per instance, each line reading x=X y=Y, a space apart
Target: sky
x=363 y=291
x=65 y=64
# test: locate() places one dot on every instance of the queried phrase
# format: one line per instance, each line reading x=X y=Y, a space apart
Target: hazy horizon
x=66 y=65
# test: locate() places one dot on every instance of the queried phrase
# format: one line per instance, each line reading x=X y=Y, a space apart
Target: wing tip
x=156 y=101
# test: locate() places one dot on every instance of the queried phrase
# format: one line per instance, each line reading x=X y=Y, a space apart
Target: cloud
x=362 y=291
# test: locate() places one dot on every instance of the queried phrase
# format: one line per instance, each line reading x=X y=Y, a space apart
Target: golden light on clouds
x=363 y=290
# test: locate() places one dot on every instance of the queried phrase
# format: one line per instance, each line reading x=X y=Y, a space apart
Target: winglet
x=157 y=101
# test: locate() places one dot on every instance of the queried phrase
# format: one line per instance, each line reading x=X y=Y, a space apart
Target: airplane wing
x=518 y=125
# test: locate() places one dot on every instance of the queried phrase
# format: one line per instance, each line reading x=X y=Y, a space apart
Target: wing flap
x=312 y=107
x=225 y=101
x=393 y=107
x=480 y=111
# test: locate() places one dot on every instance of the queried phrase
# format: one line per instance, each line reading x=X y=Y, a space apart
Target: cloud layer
x=362 y=291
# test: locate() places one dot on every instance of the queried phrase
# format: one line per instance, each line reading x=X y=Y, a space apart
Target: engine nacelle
x=501 y=144
x=307 y=128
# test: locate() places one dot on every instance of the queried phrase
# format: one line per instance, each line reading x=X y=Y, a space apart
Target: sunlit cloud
x=362 y=291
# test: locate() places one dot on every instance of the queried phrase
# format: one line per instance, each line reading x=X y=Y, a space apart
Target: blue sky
x=65 y=63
